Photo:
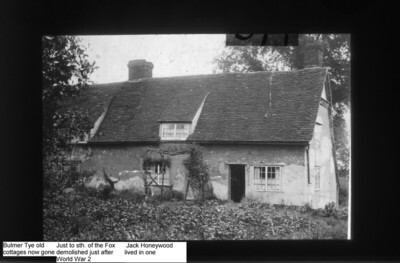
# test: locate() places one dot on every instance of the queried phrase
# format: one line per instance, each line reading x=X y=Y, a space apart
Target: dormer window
x=174 y=131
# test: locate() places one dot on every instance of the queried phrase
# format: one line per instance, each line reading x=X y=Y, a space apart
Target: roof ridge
x=212 y=75
x=237 y=73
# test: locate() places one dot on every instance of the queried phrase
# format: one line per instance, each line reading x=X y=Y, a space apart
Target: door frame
x=230 y=179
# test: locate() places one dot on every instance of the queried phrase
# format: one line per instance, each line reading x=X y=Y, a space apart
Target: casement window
x=317 y=178
x=266 y=178
x=174 y=131
x=259 y=181
x=157 y=174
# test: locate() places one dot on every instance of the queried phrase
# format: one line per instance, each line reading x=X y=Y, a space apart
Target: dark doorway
x=237 y=182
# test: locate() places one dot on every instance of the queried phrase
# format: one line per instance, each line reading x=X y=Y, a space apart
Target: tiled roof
x=246 y=107
x=183 y=106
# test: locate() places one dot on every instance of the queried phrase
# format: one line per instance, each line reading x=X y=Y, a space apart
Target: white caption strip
x=99 y=251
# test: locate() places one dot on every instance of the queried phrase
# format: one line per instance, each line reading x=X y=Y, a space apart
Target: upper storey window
x=175 y=131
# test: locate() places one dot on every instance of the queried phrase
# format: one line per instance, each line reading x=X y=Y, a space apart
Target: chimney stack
x=313 y=51
x=139 y=69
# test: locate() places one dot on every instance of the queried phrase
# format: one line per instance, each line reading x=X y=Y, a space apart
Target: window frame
x=155 y=170
x=163 y=129
x=266 y=175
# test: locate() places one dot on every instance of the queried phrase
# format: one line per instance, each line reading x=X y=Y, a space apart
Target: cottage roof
x=240 y=107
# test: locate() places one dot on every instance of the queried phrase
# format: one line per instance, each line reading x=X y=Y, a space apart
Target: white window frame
x=317 y=171
x=155 y=170
x=265 y=188
x=164 y=127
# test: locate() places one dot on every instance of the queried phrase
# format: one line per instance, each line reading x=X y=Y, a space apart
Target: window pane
x=182 y=130
x=181 y=133
x=256 y=173
x=168 y=130
x=262 y=174
x=274 y=182
x=166 y=179
x=175 y=130
x=259 y=178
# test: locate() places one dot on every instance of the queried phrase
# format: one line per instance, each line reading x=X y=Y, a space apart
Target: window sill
x=270 y=191
x=173 y=139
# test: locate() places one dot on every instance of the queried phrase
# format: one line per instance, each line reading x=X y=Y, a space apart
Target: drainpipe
x=308 y=163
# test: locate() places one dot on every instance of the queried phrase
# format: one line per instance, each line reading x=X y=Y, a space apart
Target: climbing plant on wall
x=148 y=160
x=198 y=176
x=198 y=171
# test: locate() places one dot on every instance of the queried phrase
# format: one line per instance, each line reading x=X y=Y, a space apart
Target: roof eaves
x=124 y=143
x=250 y=142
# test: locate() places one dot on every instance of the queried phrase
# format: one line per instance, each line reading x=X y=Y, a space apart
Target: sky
x=172 y=55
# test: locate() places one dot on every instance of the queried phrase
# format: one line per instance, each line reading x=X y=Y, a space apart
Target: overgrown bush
x=247 y=202
x=104 y=191
x=329 y=229
x=132 y=196
x=342 y=213
x=177 y=195
x=343 y=195
x=91 y=218
x=78 y=180
x=331 y=210
x=306 y=208
x=156 y=197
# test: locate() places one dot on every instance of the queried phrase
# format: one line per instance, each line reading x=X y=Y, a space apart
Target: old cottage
x=268 y=135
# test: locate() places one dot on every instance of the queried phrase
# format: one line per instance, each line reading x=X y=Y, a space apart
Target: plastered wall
x=123 y=163
x=321 y=155
x=290 y=158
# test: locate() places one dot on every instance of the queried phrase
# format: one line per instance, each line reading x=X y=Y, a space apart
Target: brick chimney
x=139 y=69
x=313 y=51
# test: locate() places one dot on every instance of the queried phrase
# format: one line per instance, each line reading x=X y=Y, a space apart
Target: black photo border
x=375 y=213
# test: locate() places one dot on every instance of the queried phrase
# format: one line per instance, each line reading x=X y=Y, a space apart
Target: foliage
x=167 y=195
x=77 y=180
x=177 y=195
x=306 y=208
x=330 y=209
x=149 y=160
x=336 y=55
x=65 y=73
x=198 y=171
x=132 y=196
x=343 y=192
x=104 y=191
x=86 y=217
x=329 y=229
